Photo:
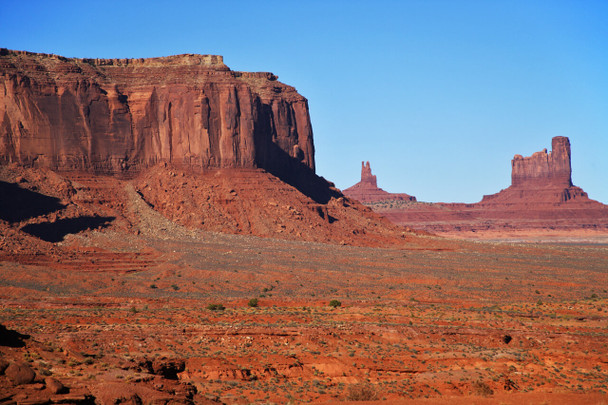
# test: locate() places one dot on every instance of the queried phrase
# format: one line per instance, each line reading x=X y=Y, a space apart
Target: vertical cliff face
x=542 y=168
x=122 y=115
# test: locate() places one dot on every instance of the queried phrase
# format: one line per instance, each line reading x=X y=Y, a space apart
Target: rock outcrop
x=544 y=177
x=122 y=115
x=540 y=199
x=542 y=168
x=367 y=190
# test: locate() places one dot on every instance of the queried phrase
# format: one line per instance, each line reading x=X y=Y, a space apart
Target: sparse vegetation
x=483 y=389
x=362 y=392
x=216 y=307
x=335 y=303
x=455 y=330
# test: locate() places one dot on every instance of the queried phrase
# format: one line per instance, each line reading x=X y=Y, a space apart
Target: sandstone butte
x=541 y=199
x=367 y=190
x=120 y=115
x=205 y=146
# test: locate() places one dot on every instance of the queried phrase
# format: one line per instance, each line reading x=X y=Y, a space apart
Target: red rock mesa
x=543 y=178
x=121 y=115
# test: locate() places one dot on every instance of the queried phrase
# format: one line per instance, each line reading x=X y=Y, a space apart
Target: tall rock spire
x=367 y=190
x=367 y=176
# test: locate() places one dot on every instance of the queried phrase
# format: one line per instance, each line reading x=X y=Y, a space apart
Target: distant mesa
x=544 y=177
x=542 y=168
x=367 y=190
x=541 y=198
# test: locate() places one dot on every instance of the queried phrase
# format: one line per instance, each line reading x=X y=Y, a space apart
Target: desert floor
x=119 y=316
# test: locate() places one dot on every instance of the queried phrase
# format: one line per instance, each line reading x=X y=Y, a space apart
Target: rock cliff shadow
x=11 y=338
x=297 y=174
x=18 y=204
x=56 y=231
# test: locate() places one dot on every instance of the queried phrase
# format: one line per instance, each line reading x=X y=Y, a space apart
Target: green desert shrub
x=335 y=303
x=253 y=303
x=216 y=307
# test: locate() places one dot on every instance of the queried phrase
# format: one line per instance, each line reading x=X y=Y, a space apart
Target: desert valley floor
x=124 y=317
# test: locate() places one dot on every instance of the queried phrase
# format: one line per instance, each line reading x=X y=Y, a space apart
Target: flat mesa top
x=184 y=68
x=188 y=59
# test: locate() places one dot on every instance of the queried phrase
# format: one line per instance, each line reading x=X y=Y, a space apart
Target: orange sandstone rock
x=122 y=115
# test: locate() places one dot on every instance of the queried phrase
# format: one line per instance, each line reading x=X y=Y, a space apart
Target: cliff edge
x=182 y=136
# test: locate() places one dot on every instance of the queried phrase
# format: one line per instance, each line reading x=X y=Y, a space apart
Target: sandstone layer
x=367 y=190
x=123 y=115
x=540 y=201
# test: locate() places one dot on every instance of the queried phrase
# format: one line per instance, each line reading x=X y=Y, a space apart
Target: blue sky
x=437 y=94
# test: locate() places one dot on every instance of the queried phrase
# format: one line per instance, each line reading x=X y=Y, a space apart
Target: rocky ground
x=141 y=309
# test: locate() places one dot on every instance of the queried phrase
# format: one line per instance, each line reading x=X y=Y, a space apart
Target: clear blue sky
x=437 y=94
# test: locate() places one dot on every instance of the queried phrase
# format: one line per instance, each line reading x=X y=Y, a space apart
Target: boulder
x=20 y=373
x=3 y=365
x=54 y=386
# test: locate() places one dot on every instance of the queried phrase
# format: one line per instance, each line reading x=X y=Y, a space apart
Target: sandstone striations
x=367 y=190
x=540 y=200
x=123 y=115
